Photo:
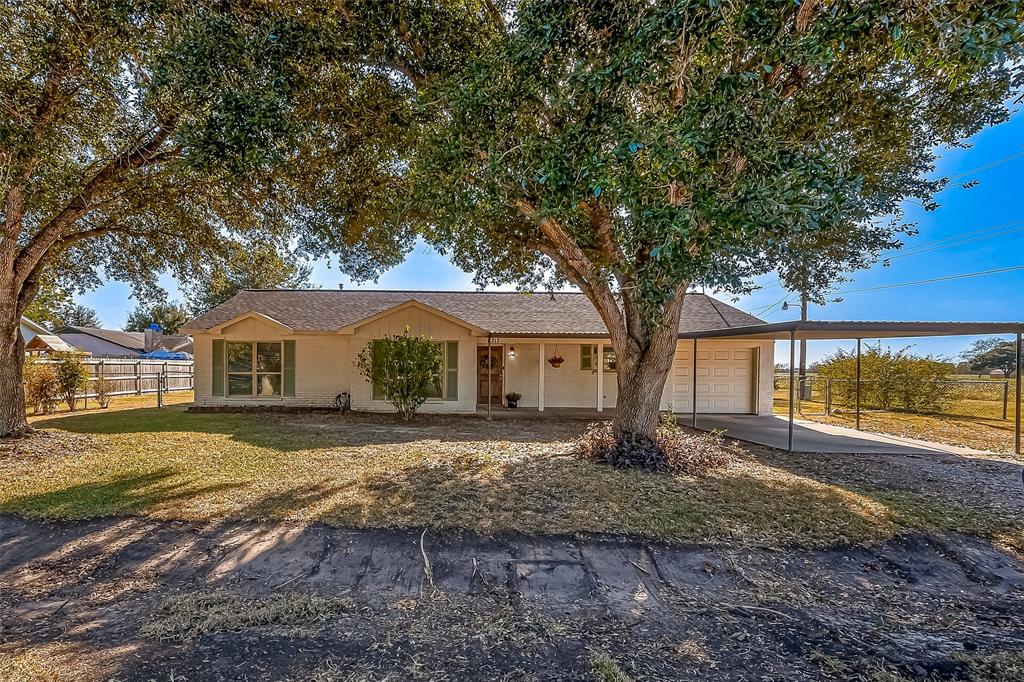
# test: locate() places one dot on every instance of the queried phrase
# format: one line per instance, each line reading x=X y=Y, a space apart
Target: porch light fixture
x=511 y=351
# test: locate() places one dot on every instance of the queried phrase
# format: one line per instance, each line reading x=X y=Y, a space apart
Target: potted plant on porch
x=512 y=398
x=556 y=360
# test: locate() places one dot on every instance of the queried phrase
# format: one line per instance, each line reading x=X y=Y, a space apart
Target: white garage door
x=725 y=379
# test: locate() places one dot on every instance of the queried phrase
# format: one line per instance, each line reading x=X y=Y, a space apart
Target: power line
x=933 y=280
x=960 y=235
x=985 y=167
x=959 y=242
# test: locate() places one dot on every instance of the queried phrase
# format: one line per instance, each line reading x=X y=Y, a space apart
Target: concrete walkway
x=808 y=436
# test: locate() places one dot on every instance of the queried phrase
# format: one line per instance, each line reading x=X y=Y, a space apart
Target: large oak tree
x=635 y=148
x=143 y=136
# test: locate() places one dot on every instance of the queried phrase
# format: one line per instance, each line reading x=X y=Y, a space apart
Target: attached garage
x=729 y=377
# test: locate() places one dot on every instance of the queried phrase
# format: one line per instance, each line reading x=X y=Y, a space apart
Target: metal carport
x=858 y=330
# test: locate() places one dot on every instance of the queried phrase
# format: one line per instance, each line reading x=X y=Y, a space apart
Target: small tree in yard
x=71 y=378
x=635 y=148
x=986 y=355
x=402 y=368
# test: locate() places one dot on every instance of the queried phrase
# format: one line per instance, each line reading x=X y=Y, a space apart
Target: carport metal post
x=857 y=387
x=1016 y=424
x=693 y=397
x=792 y=378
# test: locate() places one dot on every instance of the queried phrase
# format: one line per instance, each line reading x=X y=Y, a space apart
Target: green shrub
x=42 y=389
x=403 y=369
x=103 y=388
x=72 y=378
x=890 y=380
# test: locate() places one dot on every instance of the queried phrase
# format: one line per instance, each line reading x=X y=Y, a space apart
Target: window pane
x=434 y=390
x=268 y=384
x=239 y=384
x=609 y=360
x=239 y=357
x=268 y=357
x=586 y=361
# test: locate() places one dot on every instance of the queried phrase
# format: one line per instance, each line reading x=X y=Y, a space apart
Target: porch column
x=693 y=388
x=540 y=378
x=489 y=369
x=600 y=377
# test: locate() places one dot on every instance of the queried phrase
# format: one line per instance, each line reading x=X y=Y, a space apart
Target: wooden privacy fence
x=137 y=377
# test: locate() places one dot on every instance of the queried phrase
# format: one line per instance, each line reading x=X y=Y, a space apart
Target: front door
x=488 y=368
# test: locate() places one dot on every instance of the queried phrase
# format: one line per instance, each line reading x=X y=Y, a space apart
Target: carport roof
x=851 y=329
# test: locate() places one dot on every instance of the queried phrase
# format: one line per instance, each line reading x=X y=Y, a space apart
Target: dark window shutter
x=289 y=369
x=218 y=367
x=375 y=358
x=452 y=371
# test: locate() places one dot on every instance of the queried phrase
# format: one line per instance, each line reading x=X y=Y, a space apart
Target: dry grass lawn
x=466 y=473
x=976 y=432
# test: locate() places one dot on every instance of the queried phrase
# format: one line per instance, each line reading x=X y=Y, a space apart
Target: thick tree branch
x=567 y=254
x=146 y=154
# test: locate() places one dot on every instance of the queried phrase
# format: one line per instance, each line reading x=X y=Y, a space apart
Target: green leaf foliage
x=169 y=316
x=402 y=368
x=711 y=141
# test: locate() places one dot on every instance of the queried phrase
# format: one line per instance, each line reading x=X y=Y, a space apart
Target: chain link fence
x=125 y=384
x=964 y=398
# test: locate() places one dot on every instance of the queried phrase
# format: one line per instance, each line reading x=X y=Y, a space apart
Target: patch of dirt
x=137 y=599
x=41 y=443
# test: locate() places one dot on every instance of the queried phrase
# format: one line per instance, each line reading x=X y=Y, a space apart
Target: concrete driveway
x=773 y=430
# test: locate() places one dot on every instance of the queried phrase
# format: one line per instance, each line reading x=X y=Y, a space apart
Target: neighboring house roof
x=34 y=326
x=135 y=341
x=49 y=343
x=498 y=313
x=174 y=343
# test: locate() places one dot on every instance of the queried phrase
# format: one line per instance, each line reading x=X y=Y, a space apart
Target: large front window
x=254 y=368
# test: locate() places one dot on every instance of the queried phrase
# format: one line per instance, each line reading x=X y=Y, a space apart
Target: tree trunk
x=641 y=380
x=12 y=361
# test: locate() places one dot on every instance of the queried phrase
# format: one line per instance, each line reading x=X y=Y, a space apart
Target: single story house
x=30 y=329
x=114 y=343
x=104 y=343
x=44 y=344
x=298 y=347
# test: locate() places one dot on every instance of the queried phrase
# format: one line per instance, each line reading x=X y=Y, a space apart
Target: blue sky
x=997 y=200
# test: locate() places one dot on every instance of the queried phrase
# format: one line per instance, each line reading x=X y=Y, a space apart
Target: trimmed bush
x=42 y=389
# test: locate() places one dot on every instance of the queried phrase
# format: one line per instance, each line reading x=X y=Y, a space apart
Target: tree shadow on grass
x=119 y=496
x=294 y=432
x=511 y=499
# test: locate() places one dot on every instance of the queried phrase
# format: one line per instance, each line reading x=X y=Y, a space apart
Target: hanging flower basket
x=556 y=360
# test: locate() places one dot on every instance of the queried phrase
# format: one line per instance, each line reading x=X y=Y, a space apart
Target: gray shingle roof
x=130 y=340
x=499 y=313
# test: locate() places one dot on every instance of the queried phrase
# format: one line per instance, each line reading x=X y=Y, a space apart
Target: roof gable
x=411 y=303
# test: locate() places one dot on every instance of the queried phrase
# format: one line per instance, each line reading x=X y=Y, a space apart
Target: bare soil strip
x=141 y=599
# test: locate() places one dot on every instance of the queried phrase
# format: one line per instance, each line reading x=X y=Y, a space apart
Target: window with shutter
x=451 y=370
x=289 y=369
x=218 y=367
